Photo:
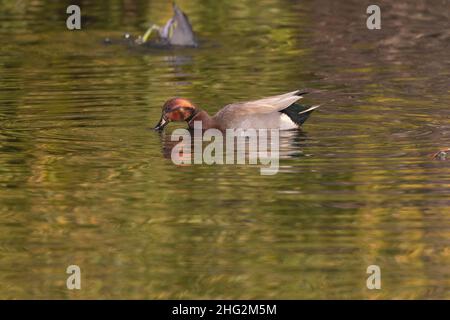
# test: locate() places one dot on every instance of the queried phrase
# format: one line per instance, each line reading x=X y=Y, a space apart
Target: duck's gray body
x=276 y=112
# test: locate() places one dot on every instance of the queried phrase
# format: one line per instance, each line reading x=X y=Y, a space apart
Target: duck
x=176 y=32
x=275 y=112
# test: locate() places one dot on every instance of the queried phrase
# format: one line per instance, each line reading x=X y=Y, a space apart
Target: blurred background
x=84 y=180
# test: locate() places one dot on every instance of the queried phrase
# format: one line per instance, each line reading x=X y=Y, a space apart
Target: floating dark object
x=442 y=155
x=177 y=31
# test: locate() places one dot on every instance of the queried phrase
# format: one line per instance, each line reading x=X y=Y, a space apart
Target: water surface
x=84 y=180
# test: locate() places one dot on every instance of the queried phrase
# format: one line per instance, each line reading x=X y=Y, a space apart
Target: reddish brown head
x=176 y=109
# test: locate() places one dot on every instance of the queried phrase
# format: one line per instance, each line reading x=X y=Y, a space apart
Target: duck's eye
x=177 y=115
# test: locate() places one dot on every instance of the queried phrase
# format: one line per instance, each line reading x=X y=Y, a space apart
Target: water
x=84 y=180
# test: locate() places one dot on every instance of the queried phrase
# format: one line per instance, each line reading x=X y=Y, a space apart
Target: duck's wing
x=264 y=105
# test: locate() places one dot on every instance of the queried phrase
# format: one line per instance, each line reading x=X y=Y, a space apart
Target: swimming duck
x=443 y=154
x=275 y=112
x=177 y=31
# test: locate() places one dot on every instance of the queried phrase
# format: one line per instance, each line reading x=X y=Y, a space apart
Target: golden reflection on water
x=84 y=180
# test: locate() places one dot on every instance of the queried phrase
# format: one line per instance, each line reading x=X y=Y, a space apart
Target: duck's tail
x=299 y=113
x=301 y=92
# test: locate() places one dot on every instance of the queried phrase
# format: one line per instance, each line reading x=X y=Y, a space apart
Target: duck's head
x=176 y=109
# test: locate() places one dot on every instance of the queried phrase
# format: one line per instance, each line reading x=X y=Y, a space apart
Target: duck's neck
x=206 y=120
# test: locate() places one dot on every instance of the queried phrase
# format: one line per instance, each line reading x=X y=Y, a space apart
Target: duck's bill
x=161 y=124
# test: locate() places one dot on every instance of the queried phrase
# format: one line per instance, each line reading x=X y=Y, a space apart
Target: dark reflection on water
x=84 y=180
